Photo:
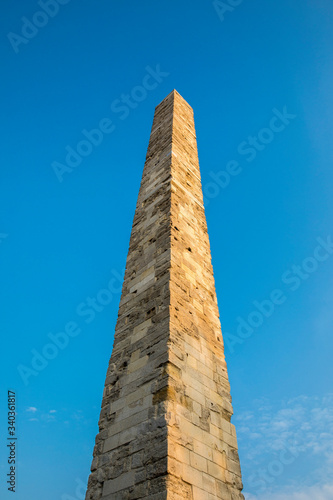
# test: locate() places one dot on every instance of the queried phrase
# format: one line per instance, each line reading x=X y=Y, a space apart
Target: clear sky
x=259 y=78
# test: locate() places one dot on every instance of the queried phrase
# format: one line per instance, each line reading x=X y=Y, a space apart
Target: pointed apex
x=175 y=96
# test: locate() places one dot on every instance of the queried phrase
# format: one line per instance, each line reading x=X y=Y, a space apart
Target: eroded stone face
x=165 y=430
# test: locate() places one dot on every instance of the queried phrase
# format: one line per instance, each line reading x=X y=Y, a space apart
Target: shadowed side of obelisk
x=130 y=455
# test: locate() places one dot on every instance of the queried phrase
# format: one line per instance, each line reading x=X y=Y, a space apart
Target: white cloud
x=287 y=444
x=48 y=417
x=305 y=421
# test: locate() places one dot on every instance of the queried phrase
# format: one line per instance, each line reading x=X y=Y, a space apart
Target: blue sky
x=267 y=186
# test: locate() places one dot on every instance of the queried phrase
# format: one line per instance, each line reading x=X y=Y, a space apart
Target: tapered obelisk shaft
x=165 y=430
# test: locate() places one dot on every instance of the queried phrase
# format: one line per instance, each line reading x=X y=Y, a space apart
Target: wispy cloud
x=62 y=416
x=306 y=420
x=44 y=416
x=275 y=439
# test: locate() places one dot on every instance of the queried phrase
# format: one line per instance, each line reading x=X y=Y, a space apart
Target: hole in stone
x=150 y=312
x=189 y=249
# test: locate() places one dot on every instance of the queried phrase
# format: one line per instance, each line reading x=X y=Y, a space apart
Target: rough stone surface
x=164 y=428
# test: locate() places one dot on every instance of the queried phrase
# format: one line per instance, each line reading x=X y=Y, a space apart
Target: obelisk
x=164 y=428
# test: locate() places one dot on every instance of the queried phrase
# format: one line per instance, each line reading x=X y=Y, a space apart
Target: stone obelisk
x=164 y=428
